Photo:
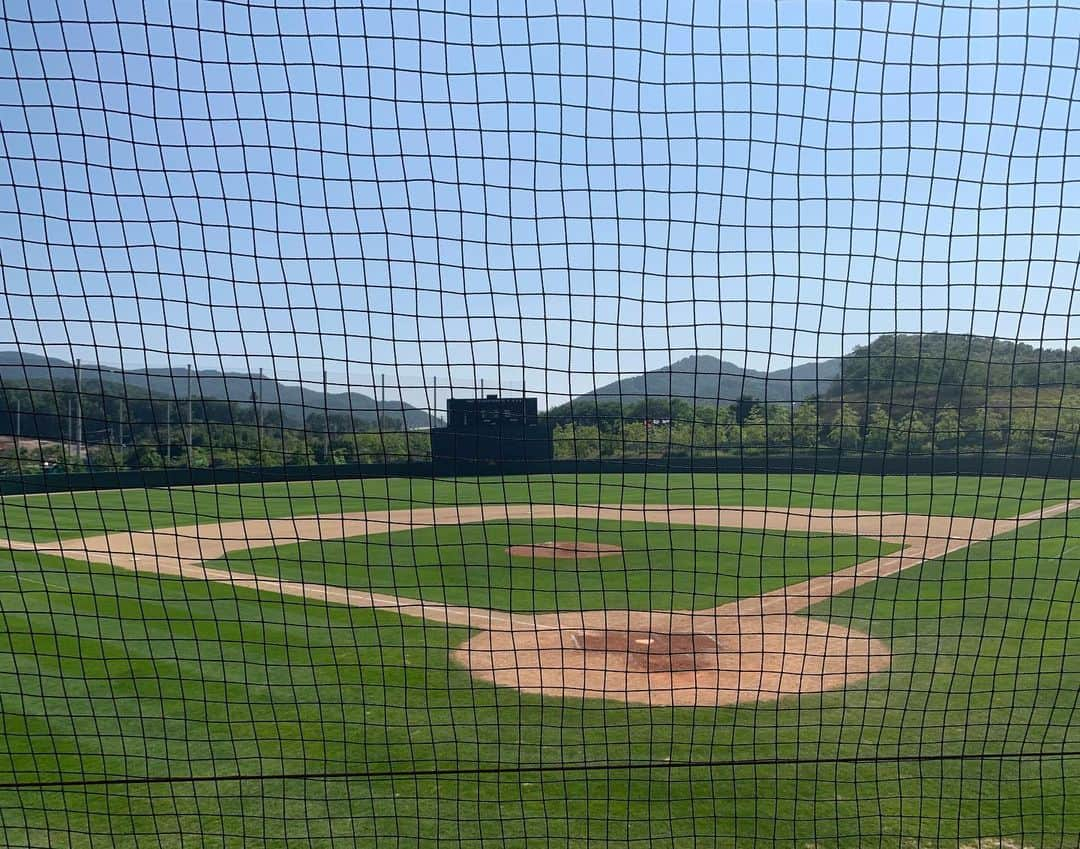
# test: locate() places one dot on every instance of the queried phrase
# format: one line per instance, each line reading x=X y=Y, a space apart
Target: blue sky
x=545 y=196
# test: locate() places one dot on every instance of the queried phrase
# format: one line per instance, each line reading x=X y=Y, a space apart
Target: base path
x=753 y=649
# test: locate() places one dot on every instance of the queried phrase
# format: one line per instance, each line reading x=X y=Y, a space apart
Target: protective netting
x=548 y=424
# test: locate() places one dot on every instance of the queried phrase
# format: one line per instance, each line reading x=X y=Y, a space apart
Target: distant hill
x=296 y=402
x=17 y=367
x=900 y=371
x=931 y=371
x=706 y=379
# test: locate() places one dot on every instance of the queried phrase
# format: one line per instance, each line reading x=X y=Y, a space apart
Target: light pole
x=188 y=435
x=80 y=453
x=326 y=416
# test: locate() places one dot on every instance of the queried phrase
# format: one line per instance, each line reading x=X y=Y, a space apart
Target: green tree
x=879 y=429
x=754 y=431
x=911 y=435
x=145 y=457
x=805 y=426
x=846 y=429
x=576 y=441
x=743 y=408
x=779 y=426
x=947 y=433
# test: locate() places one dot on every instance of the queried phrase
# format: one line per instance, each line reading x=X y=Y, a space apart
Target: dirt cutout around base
x=568 y=550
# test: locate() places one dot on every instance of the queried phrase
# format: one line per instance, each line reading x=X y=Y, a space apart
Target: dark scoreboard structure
x=492 y=429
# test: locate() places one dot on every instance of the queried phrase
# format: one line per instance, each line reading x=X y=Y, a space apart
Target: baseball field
x=627 y=660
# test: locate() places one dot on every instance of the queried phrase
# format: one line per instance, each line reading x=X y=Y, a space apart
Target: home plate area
x=647 y=651
x=712 y=657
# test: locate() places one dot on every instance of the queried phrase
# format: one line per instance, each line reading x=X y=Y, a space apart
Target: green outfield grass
x=110 y=674
x=79 y=514
x=661 y=567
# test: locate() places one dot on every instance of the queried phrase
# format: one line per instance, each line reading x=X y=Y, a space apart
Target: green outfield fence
x=1063 y=467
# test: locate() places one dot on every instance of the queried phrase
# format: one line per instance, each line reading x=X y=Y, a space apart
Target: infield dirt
x=754 y=649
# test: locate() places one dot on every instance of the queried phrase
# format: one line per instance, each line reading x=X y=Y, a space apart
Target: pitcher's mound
x=564 y=550
x=719 y=657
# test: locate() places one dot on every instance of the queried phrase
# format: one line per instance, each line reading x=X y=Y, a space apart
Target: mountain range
x=705 y=379
x=699 y=379
x=925 y=371
x=296 y=402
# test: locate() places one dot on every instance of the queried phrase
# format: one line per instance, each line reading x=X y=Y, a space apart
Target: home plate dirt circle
x=709 y=658
x=564 y=550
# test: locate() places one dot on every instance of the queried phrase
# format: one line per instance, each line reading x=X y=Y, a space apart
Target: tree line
x=1020 y=423
x=54 y=427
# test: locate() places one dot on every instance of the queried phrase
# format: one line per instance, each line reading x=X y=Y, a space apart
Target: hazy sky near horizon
x=547 y=194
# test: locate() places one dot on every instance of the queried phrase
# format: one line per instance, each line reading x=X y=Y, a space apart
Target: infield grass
x=660 y=567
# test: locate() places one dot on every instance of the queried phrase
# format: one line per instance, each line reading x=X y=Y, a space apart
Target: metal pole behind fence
x=188 y=436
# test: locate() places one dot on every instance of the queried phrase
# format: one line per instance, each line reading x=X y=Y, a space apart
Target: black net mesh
x=539 y=425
